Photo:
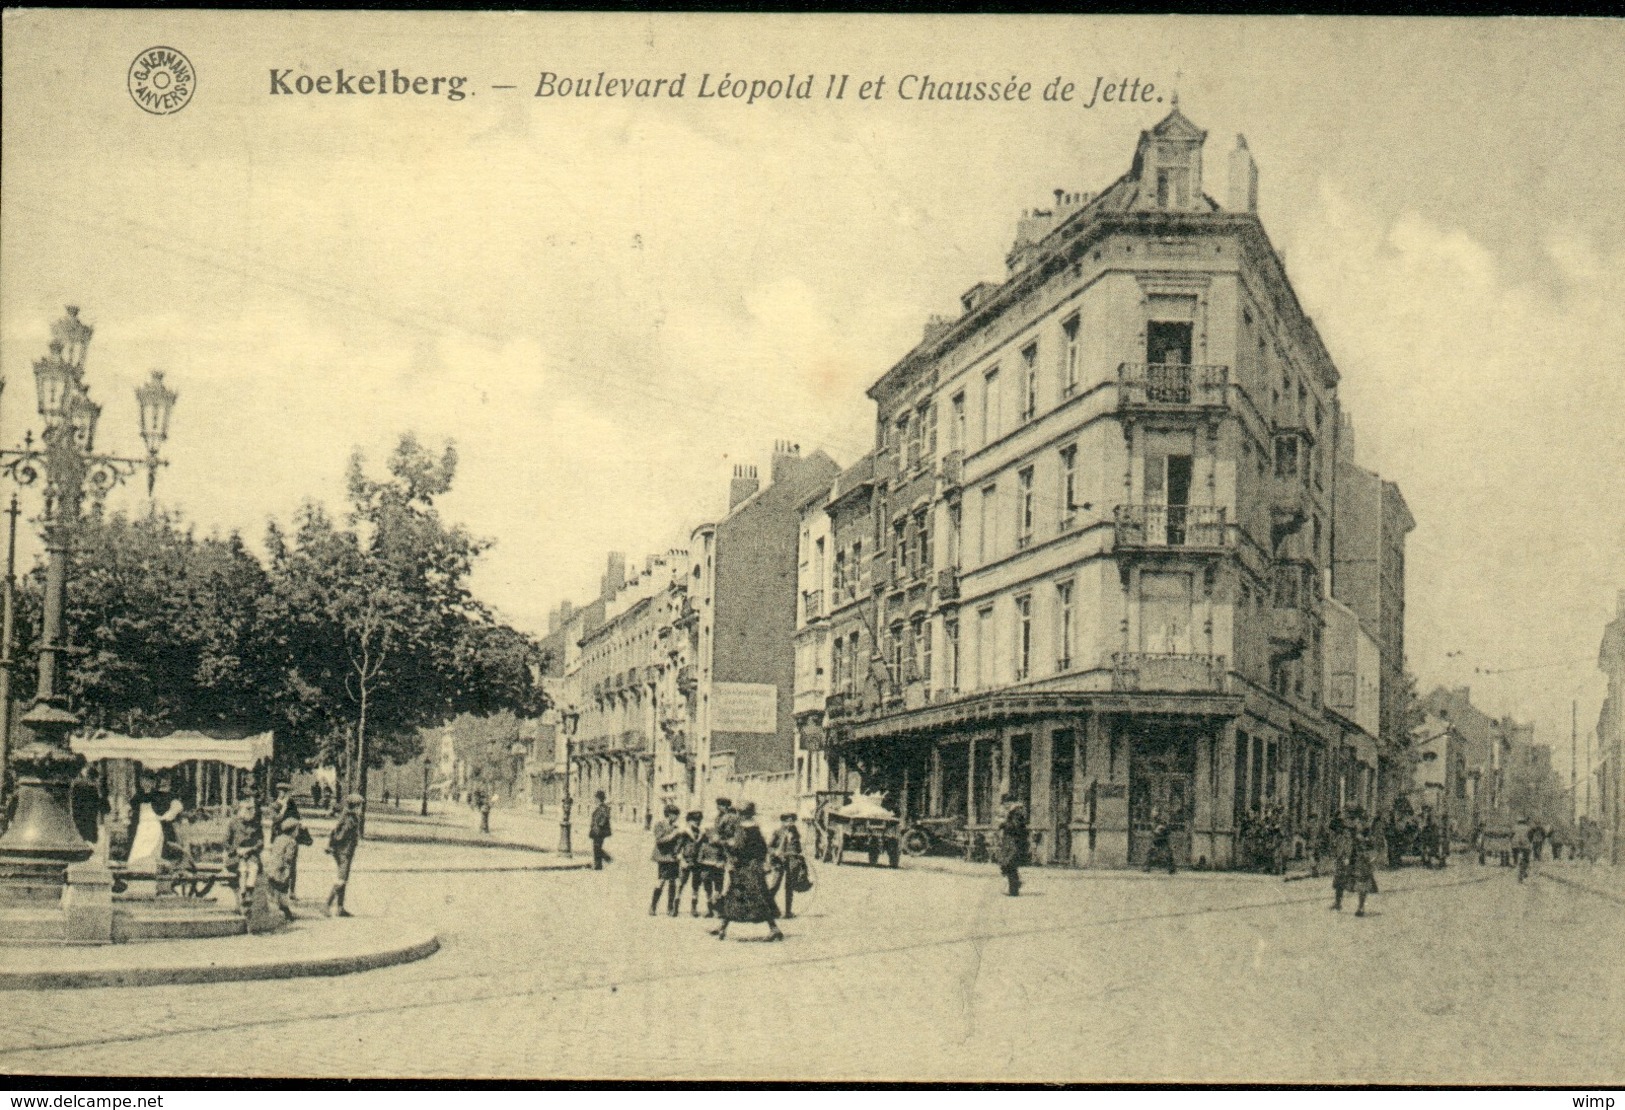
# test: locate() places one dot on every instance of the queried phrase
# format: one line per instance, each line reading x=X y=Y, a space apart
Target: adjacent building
x=1088 y=562
x=1609 y=772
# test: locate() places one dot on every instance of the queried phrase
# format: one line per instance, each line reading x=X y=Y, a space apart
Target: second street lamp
x=42 y=841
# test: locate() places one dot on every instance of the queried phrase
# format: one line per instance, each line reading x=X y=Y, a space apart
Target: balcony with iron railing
x=687 y=680
x=952 y=470
x=812 y=604
x=948 y=584
x=1156 y=527
x=1171 y=387
x=1168 y=673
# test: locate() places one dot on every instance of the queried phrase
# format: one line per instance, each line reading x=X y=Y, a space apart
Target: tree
x=381 y=633
x=164 y=629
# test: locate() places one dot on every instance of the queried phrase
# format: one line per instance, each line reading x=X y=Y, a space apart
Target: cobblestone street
x=901 y=974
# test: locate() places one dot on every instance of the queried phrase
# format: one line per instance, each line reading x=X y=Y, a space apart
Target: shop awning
x=157 y=753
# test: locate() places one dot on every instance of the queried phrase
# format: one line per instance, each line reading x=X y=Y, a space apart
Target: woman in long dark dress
x=1356 y=872
x=748 y=898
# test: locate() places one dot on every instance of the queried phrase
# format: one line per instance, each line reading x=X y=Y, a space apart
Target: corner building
x=1101 y=506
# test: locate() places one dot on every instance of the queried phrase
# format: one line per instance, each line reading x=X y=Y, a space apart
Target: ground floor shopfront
x=1098 y=773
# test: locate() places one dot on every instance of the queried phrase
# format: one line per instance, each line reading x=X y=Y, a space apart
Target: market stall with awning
x=213 y=769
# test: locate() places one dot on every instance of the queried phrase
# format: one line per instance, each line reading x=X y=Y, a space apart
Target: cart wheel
x=916 y=842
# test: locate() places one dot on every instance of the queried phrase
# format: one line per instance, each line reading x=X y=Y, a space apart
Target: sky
x=607 y=303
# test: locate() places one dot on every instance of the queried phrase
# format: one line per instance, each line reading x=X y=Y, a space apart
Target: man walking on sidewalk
x=341 y=845
x=598 y=832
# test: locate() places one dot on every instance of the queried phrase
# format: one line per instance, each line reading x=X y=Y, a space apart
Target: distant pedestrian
x=789 y=863
x=1012 y=850
x=245 y=844
x=710 y=862
x=688 y=874
x=670 y=841
x=599 y=831
x=283 y=861
x=1522 y=841
x=341 y=845
x=1356 y=873
x=1162 y=844
x=747 y=898
x=1558 y=838
x=483 y=800
x=1537 y=839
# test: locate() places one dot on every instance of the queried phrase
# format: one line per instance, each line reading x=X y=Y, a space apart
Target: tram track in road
x=548 y=983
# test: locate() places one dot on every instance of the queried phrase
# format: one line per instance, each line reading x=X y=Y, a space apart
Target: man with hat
x=670 y=840
x=1012 y=850
x=341 y=845
x=789 y=864
x=598 y=832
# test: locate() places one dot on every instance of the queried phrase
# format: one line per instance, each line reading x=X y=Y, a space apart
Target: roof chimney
x=614 y=576
x=1243 y=195
x=785 y=454
x=744 y=485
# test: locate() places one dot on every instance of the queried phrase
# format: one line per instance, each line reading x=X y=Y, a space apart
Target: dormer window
x=1173 y=188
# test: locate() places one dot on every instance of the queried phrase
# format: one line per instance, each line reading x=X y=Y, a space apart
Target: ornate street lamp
x=568 y=720
x=42 y=840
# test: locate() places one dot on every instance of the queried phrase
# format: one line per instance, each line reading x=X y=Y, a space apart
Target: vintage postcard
x=851 y=549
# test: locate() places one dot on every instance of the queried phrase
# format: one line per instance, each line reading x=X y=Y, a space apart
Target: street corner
x=308 y=946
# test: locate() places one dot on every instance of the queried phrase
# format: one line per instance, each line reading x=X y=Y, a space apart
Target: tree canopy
x=350 y=637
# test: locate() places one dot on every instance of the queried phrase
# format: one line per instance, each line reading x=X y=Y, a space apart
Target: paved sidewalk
x=454 y=823
x=308 y=946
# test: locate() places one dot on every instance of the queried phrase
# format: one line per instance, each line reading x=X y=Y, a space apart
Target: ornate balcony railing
x=1159 y=526
x=687 y=680
x=1167 y=672
x=809 y=700
x=1168 y=386
x=812 y=602
x=952 y=470
x=948 y=584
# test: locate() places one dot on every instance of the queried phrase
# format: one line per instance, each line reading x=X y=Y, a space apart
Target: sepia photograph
x=609 y=548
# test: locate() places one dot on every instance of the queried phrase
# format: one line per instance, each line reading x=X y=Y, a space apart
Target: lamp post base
x=564 y=839
x=42 y=841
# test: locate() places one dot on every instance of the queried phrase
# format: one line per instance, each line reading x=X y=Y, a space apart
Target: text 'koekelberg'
x=340 y=83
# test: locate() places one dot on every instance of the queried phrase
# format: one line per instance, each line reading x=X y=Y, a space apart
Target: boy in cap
x=670 y=838
x=598 y=831
x=712 y=857
x=789 y=864
x=341 y=845
x=689 y=875
x=283 y=859
x=245 y=840
x=283 y=808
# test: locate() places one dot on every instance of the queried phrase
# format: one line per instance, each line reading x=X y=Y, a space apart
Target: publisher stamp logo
x=161 y=80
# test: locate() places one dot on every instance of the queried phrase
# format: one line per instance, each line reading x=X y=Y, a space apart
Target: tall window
x=956 y=427
x=954 y=513
x=1029 y=380
x=984 y=647
x=916 y=442
x=928 y=421
x=897 y=654
x=916 y=639
x=898 y=539
x=922 y=538
x=907 y=445
x=992 y=418
x=837 y=666
x=818 y=563
x=857 y=569
x=1063 y=626
x=987 y=540
x=1069 y=486
x=880 y=520
x=857 y=665
x=1024 y=507
x=838 y=575
x=1024 y=636
x=1070 y=368
x=925 y=655
x=950 y=647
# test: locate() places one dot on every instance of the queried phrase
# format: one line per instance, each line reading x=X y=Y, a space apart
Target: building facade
x=1609 y=771
x=1099 y=535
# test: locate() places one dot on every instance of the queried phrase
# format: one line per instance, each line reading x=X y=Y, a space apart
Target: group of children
x=730 y=863
x=248 y=857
